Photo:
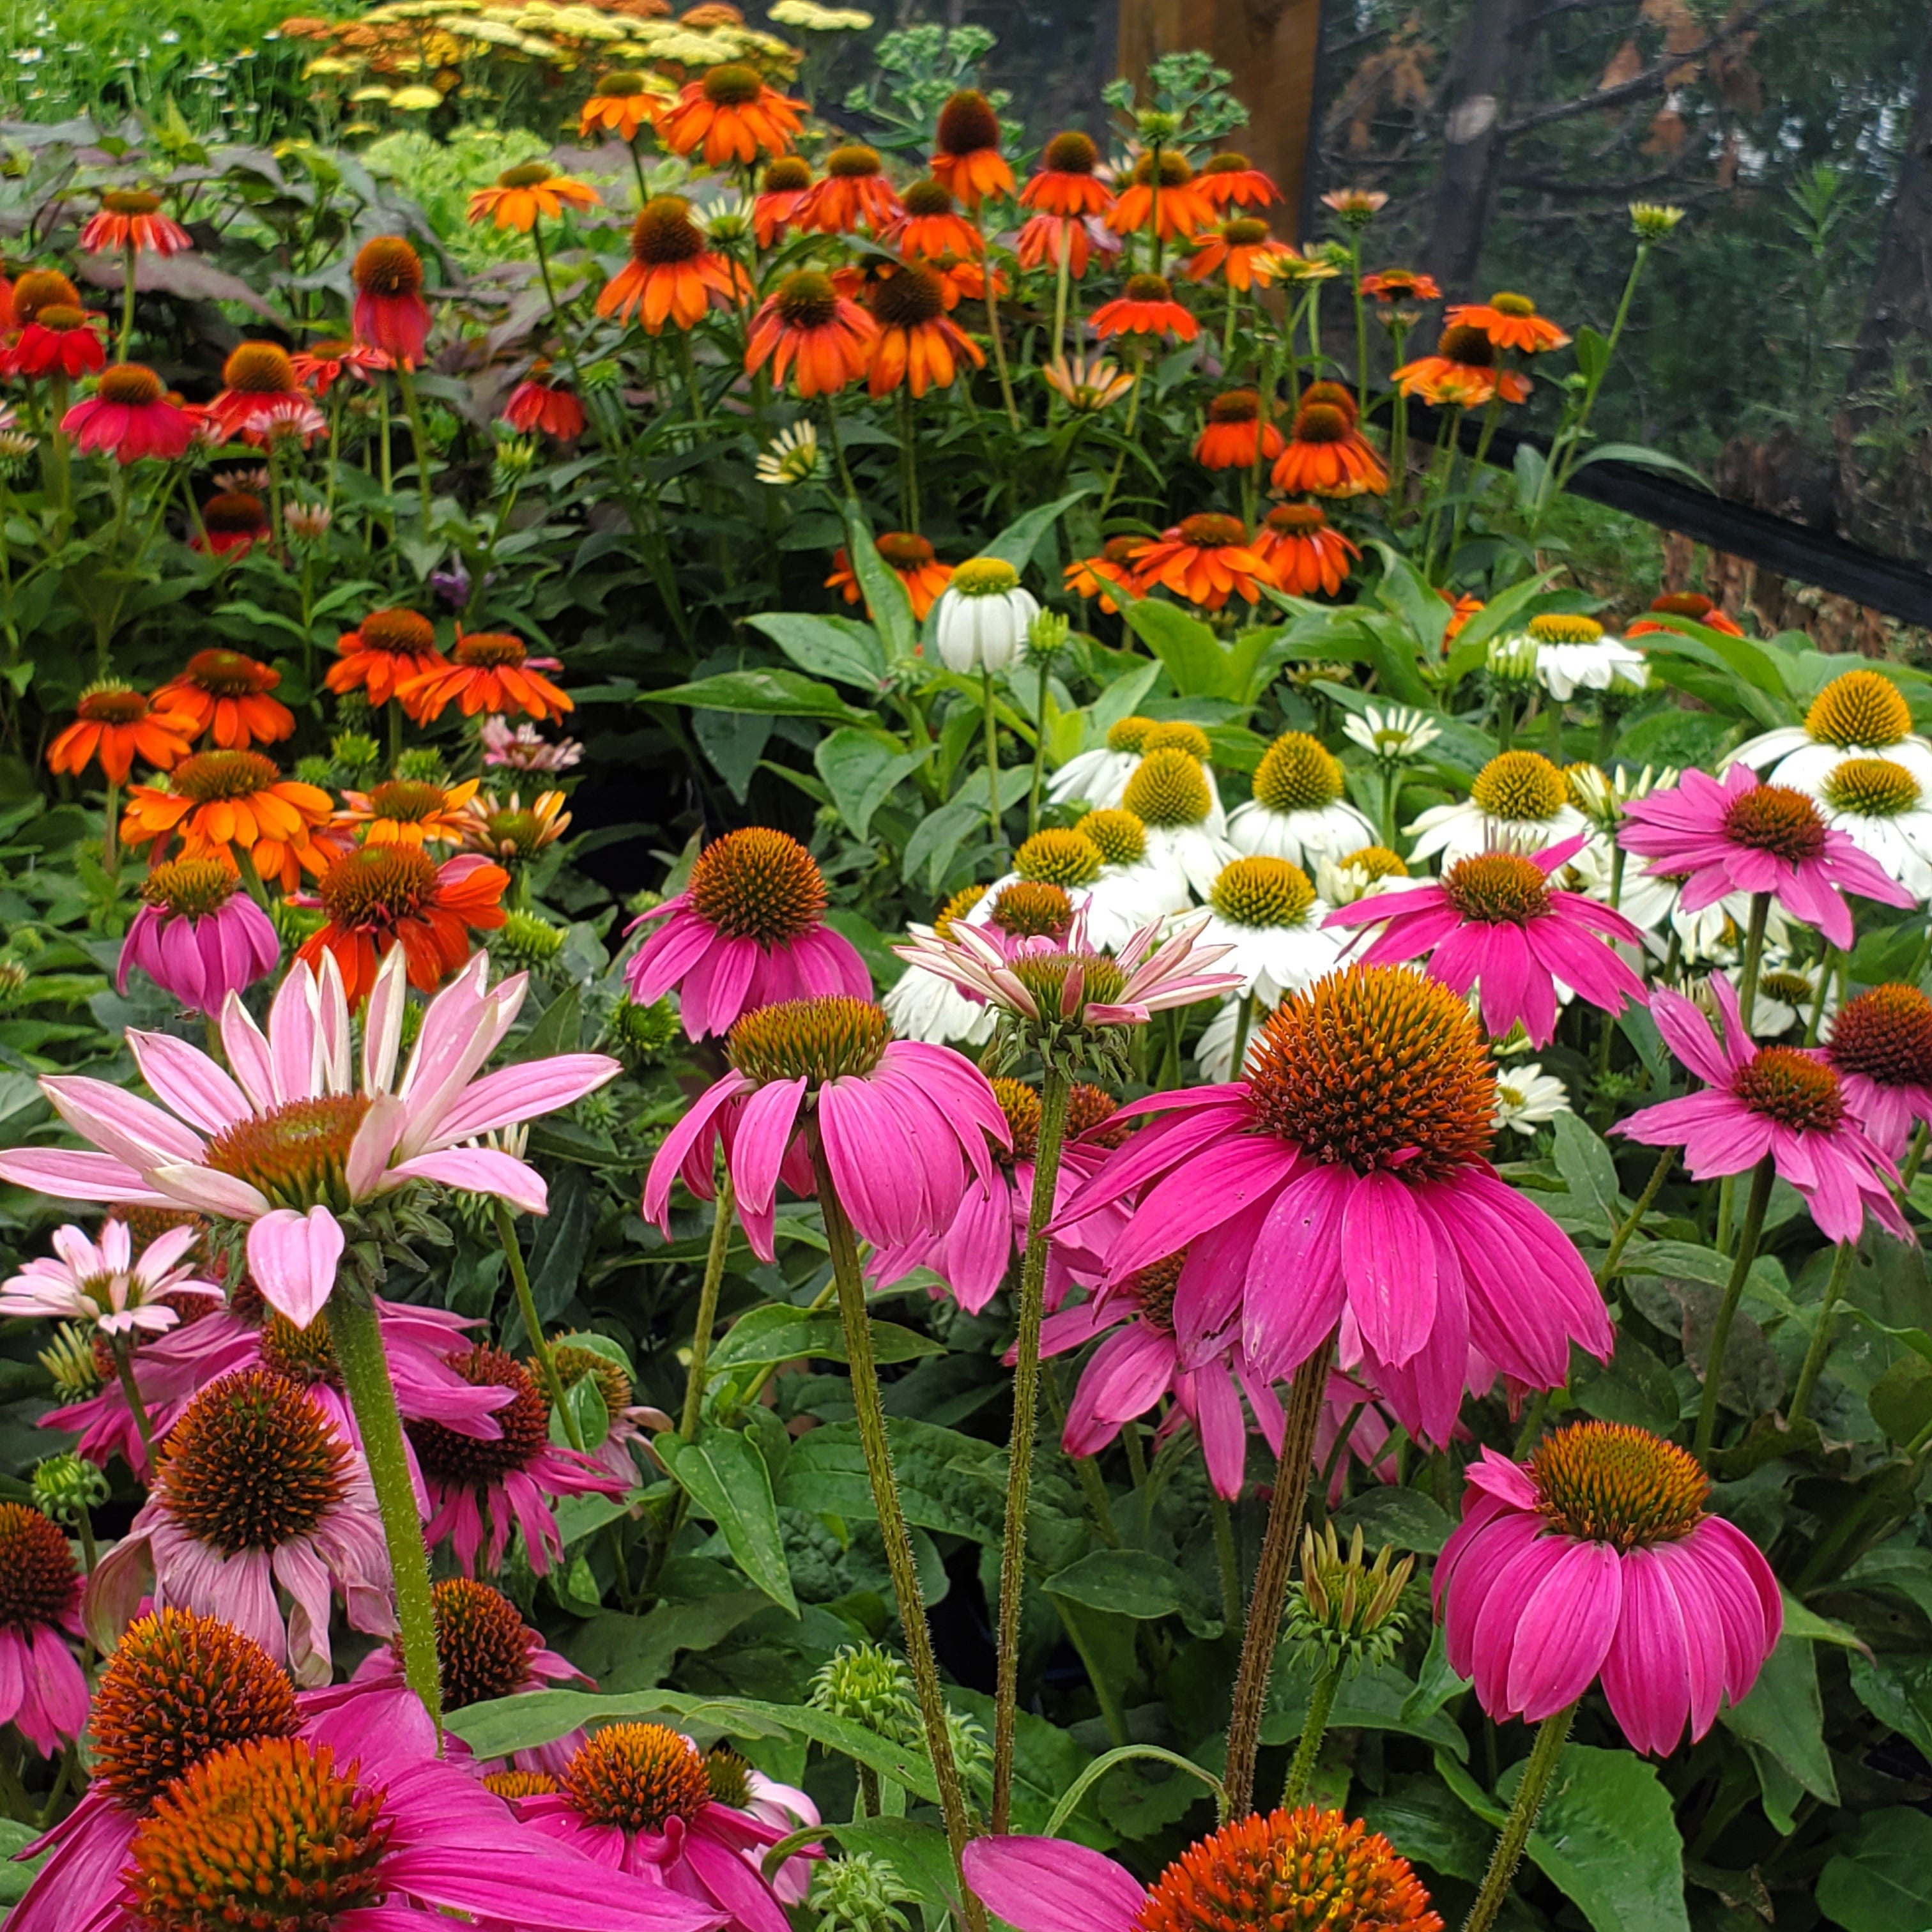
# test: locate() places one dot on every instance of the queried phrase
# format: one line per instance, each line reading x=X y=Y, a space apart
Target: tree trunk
x=1898 y=309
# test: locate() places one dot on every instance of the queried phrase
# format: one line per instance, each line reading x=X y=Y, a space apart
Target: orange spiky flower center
x=468 y=1461
x=40 y=289
x=1298 y=520
x=1087 y=1108
x=1208 y=530
x=1682 y=604
x=1777 y=819
x=664 y=233
x=758 y=884
x=37 y=1578
x=483 y=1646
x=807 y=299
x=229 y=674
x=956 y=907
x=1174 y=170
x=1032 y=909
x=131 y=384
x=1520 y=787
x=1871 y=787
x=1072 y=153
x=1787 y=1085
x=1149 y=288
x=376 y=887
x=1886 y=1035
x=407 y=801
x=1060 y=857
x=258 y=369
x=399 y=633
x=297 y=1153
x=388 y=266
x=927 y=198
x=786 y=175
x=1021 y=1106
x=527 y=174
x=855 y=163
x=208 y=777
x=512 y=1785
x=1322 y=422
x=814 y=1040
x=1227 y=164
x=1611 y=1482
x=1234 y=405
x=967 y=125
x=1121 y=837
x=1297 y=773
x=1563 y=627
x=636 y=1777
x=1244 y=232
x=490 y=649
x=1498 y=889
x=1331 y=395
x=304 y=1356
x=903 y=550
x=130 y=201
x=1154 y=1287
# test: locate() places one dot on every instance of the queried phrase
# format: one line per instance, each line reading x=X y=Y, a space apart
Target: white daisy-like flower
x=1881 y=805
x=1214 y=1051
x=793 y=456
x=1394 y=733
x=1100 y=774
x=1360 y=874
x=923 y=1006
x=1519 y=799
x=1130 y=891
x=1298 y=812
x=1173 y=795
x=1265 y=912
x=726 y=217
x=1859 y=714
x=1573 y=654
x=1785 y=994
x=982 y=617
x=1528 y=1098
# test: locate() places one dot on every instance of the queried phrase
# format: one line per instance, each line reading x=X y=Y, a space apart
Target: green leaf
x=1784 y=1717
x=778 y=692
x=1135 y=1583
x=952 y=1483
x=1591 y=351
x=1898 y=1691
x=1382 y=1698
x=1196 y=659
x=1880 y=1880
x=623 y=1653
x=1634 y=1386
x=1388 y=1513
x=937 y=837
x=1402 y=590
x=563 y=1241
x=557 y=1029
x=15 y=1878
x=1646 y=458
x=881 y=586
x=776 y=1333
x=1428 y=1824
x=834 y=647
x=725 y=1476
x=1584 y=1163
x=861 y=770
x=1017 y=542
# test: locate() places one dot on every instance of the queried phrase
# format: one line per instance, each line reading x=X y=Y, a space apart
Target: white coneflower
x=1393 y=734
x=923 y=1006
x=1528 y=1098
x=1860 y=714
x=1173 y=795
x=1298 y=812
x=982 y=617
x=1265 y=912
x=1360 y=874
x=1131 y=891
x=1519 y=799
x=1573 y=654
x=1880 y=805
x=793 y=456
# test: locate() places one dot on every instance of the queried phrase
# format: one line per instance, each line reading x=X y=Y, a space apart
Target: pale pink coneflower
x=901 y=1124
x=105 y=1286
x=749 y=931
x=198 y=935
x=1595 y=1562
x=1494 y=922
x=253 y=1489
x=524 y=749
x=1784 y=1102
x=1880 y=1045
x=42 y=1691
x=1735 y=834
x=1342 y=1188
x=290 y=1140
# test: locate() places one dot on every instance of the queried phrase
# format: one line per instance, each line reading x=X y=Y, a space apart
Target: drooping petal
x=292 y=1259
x=1053 y=1885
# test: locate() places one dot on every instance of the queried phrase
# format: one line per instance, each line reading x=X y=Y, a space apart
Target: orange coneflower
x=1327 y=456
x=624 y=102
x=114 y=723
x=390 y=314
x=1087 y=385
x=1691 y=603
x=260 y=396
x=512 y=832
x=409 y=812
x=1305 y=553
x=1044 y=238
x=322 y=365
x=918 y=344
x=538 y=403
x=1241 y=250
x=1179 y=209
x=1510 y=321
x=1236 y=437
x=1392 y=286
x=1066 y=184
x=232 y=520
x=521 y=195
x=225 y=695
x=383 y=653
x=957 y=278
x=1461 y=610
x=912 y=562
x=967 y=159
x=1205 y=559
x=1335 y=395
x=805 y=321
x=854 y=191
x=231 y=804
x=734 y=114
x=782 y=187
x=129 y=221
x=1090 y=576
x=488 y=670
x=1146 y=306
x=671 y=275
x=379 y=897
x=931 y=226
x=1232 y=180
x=1462 y=370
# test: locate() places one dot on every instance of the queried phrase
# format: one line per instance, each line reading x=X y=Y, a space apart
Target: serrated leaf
x=726 y=1479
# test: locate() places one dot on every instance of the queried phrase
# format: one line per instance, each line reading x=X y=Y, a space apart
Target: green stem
x=123 y=1353
x=526 y=1306
x=126 y=307
x=1056 y=1090
x=1821 y=1336
x=1827 y=961
x=1762 y=1177
x=1562 y=465
x=908 y=464
x=372 y=1396
x=1062 y=283
x=1361 y=323
x=707 y=1310
x=999 y=345
x=1042 y=664
x=870 y=1412
x=1551 y=1737
x=1315 y=1727
x=1269 y=1595
x=1244 y=1021
x=1127 y=432
x=1753 y=954
x=850 y=488
x=1914 y=1160
x=1225 y=1555
x=993 y=826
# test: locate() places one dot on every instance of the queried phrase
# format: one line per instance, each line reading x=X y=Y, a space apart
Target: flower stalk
x=1762 y=1177
x=1821 y=1336
x=1551 y=1737
x=707 y=1310
x=1314 y=1728
x=527 y=1307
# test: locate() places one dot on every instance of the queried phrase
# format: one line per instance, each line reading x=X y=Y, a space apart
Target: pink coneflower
x=1139 y=1363
x=42 y=1691
x=1735 y=834
x=524 y=749
x=1344 y=1182
x=747 y=931
x=900 y=1121
x=638 y=1798
x=198 y=935
x=104 y=1285
x=1595 y=1560
x=1494 y=920
x=129 y=416
x=1881 y=1046
x=130 y=221
x=509 y=1480
x=292 y=1138
x=1780 y=1101
x=254 y=1488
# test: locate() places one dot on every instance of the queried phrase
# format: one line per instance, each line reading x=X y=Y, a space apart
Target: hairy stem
x=707 y=1310
x=1544 y=1754
x=1762 y=1177
x=1314 y=1728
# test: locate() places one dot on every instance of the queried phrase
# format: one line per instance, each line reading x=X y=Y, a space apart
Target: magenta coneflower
x=1493 y=919
x=1594 y=1561
x=1780 y=1101
x=509 y=1480
x=900 y=1123
x=1735 y=834
x=1881 y=1046
x=1344 y=1182
x=1139 y=1363
x=254 y=1488
x=104 y=1285
x=198 y=935
x=42 y=1691
x=747 y=931
x=639 y=1799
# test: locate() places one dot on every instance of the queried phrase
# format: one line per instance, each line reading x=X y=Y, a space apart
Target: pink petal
x=1564 y=1630
x=478 y=1171
x=1053 y=1885
x=292 y=1259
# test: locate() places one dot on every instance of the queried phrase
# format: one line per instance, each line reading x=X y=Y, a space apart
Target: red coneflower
x=1206 y=559
x=114 y=723
x=232 y=520
x=1510 y=321
x=390 y=312
x=61 y=340
x=1691 y=603
x=383 y=653
x=931 y=226
x=912 y=562
x=1327 y=456
x=321 y=365
x=1391 y=286
x=622 y=103
x=1146 y=306
x=536 y=403
x=129 y=221
x=260 y=394
x=1241 y=250
x=1066 y=184
x=671 y=275
x=854 y=191
x=967 y=159
x=226 y=694
x=488 y=670
x=805 y=321
x=129 y=416
x=1090 y=576
x=1232 y=180
x=785 y=183
x=918 y=344
x=1178 y=210
x=1462 y=370
x=1235 y=436
x=734 y=115
x=519 y=196
x=378 y=897
x=1305 y=553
